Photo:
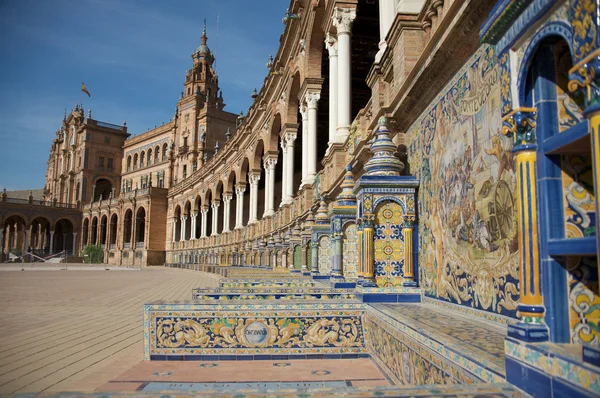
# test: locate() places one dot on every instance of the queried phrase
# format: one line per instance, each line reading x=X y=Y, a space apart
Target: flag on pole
x=85 y=90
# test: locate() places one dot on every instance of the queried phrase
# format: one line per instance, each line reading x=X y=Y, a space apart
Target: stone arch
x=103 y=229
x=63 y=235
x=165 y=151
x=314 y=46
x=256 y=159
x=14 y=227
x=187 y=213
x=219 y=190
x=127 y=228
x=293 y=103
x=103 y=188
x=94 y=232
x=140 y=225
x=114 y=223
x=85 y=231
x=209 y=215
x=556 y=29
x=273 y=137
x=177 y=224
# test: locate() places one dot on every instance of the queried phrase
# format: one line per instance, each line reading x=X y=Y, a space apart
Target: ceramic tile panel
x=389 y=245
x=324 y=254
x=468 y=249
x=584 y=300
x=578 y=195
x=253 y=327
x=350 y=251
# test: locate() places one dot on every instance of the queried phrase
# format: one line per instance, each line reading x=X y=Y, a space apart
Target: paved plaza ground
x=74 y=330
x=80 y=329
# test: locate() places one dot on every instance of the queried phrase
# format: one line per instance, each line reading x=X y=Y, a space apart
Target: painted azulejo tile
x=267 y=283
x=254 y=327
x=553 y=360
x=468 y=219
x=428 y=342
x=578 y=196
x=584 y=300
x=389 y=245
x=470 y=311
x=409 y=363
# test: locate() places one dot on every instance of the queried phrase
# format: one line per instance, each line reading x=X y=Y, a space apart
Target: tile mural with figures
x=468 y=222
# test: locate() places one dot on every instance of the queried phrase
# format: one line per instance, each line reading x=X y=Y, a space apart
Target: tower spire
x=203 y=38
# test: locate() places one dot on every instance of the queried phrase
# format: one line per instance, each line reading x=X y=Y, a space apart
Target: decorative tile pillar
x=386 y=200
x=520 y=124
x=585 y=79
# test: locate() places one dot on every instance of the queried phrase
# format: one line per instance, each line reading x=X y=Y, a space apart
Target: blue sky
x=132 y=56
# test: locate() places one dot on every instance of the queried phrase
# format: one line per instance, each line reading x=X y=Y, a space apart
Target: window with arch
x=129 y=163
x=156 y=154
x=135 y=161
x=149 y=156
x=164 y=151
x=142 y=159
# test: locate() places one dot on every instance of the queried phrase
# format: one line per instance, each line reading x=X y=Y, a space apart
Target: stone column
x=387 y=14
x=239 y=202
x=331 y=45
x=269 y=163
x=74 y=243
x=193 y=226
x=288 y=196
x=204 y=221
x=284 y=172
x=93 y=192
x=183 y=222
x=312 y=98
x=304 y=113
x=253 y=177
x=174 y=228
x=51 y=241
x=215 y=216
x=226 y=211
x=342 y=20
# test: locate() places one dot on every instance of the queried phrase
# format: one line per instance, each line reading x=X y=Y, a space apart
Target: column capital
x=240 y=188
x=342 y=19
x=331 y=44
x=520 y=124
x=227 y=197
x=304 y=111
x=194 y=214
x=205 y=209
x=216 y=203
x=312 y=99
x=254 y=177
x=269 y=162
x=289 y=137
